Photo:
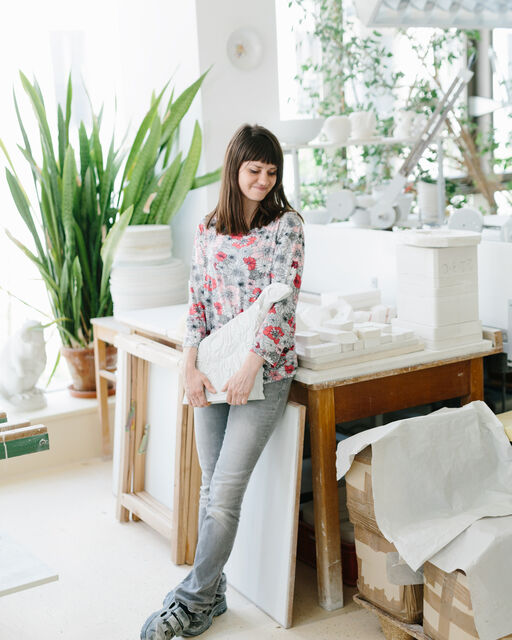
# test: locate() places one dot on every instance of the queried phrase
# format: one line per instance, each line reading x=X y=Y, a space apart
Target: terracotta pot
x=81 y=366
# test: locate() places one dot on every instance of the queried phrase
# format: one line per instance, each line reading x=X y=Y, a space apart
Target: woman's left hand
x=239 y=386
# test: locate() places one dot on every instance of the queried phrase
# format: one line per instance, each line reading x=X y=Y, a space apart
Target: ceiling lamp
x=465 y=14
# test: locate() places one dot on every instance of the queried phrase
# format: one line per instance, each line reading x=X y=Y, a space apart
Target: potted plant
x=82 y=209
x=156 y=181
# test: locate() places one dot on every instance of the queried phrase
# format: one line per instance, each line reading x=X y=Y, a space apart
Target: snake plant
x=83 y=207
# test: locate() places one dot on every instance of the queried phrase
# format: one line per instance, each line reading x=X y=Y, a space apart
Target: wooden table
x=361 y=396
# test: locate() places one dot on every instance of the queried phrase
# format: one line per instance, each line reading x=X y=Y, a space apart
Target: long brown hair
x=250 y=143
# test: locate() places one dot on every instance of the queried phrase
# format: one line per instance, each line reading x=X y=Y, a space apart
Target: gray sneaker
x=175 y=620
x=166 y=623
x=219 y=606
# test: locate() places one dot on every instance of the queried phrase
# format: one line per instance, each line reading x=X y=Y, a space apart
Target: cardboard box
x=359 y=491
x=404 y=602
x=447 y=610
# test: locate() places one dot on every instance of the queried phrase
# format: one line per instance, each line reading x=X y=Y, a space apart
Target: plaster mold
x=436 y=311
x=22 y=361
x=437 y=294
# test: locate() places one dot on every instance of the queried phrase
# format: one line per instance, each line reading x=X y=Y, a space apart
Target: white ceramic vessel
x=427 y=201
x=337 y=129
x=363 y=124
x=297 y=131
x=144 y=274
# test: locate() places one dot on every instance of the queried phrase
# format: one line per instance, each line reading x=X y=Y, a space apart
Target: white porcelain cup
x=337 y=128
x=363 y=124
x=405 y=124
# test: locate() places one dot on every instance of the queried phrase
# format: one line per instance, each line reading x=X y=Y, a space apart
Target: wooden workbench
x=331 y=398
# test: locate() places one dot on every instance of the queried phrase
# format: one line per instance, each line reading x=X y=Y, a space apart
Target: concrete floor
x=112 y=575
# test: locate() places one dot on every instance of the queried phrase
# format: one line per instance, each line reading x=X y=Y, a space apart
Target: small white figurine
x=22 y=361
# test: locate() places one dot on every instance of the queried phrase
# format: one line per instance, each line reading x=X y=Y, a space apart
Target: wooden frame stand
x=179 y=525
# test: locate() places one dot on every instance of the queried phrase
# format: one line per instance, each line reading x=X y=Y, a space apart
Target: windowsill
x=60 y=404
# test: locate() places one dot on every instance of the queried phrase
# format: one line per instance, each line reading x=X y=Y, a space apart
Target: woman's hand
x=195 y=383
x=193 y=380
x=239 y=386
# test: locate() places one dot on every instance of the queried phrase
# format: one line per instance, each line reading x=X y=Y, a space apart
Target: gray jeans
x=229 y=441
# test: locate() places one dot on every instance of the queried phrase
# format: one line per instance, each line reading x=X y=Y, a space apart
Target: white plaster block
x=349 y=346
x=439 y=238
x=339 y=325
x=307 y=337
x=365 y=332
x=438 y=312
x=399 y=335
x=412 y=285
x=332 y=335
x=369 y=343
x=434 y=334
x=329 y=335
x=442 y=266
x=322 y=349
x=385 y=338
x=358 y=346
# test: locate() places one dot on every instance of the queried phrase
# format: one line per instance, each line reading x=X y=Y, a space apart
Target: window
x=47 y=40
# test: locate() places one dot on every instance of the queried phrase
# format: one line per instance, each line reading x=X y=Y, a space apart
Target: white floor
x=112 y=575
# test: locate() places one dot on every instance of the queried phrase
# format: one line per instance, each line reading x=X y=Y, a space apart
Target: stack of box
x=447 y=612
x=437 y=288
x=404 y=602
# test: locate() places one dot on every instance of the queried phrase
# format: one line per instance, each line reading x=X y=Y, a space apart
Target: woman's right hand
x=195 y=383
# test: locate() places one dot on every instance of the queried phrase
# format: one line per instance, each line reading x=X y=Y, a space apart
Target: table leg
x=325 y=494
x=476 y=381
x=100 y=362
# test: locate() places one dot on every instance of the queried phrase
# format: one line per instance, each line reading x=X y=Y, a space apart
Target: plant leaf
x=23 y=206
x=207 y=178
x=161 y=201
x=185 y=178
x=108 y=250
x=145 y=161
x=180 y=107
x=68 y=192
x=139 y=137
x=62 y=136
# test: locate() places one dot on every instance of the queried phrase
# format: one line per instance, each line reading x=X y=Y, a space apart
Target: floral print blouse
x=228 y=274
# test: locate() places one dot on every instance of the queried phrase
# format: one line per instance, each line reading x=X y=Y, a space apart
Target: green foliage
x=357 y=73
x=82 y=208
x=156 y=181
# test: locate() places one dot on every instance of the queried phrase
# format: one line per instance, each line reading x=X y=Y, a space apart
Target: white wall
x=158 y=43
x=230 y=96
x=191 y=37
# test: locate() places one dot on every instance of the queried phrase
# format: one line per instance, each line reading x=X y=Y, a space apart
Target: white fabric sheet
x=222 y=353
x=484 y=552
x=433 y=477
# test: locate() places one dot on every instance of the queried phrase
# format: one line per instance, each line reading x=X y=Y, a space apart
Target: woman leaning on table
x=251 y=239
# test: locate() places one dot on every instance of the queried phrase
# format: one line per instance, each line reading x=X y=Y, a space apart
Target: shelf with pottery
x=350 y=142
x=359 y=129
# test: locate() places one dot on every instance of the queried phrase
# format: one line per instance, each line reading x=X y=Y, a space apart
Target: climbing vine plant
x=359 y=71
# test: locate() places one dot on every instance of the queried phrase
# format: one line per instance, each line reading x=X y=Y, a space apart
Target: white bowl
x=298 y=131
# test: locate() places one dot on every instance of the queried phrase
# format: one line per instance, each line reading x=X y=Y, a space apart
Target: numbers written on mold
x=454 y=267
